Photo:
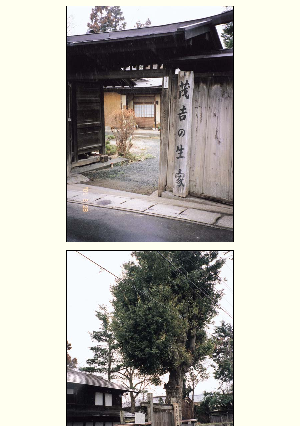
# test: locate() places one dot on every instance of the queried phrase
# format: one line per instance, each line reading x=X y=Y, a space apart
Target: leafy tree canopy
x=227 y=34
x=213 y=401
x=105 y=360
x=163 y=304
x=223 y=354
x=71 y=362
x=108 y=361
x=106 y=18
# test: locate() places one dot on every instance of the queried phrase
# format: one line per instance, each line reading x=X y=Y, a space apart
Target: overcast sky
x=87 y=289
x=158 y=15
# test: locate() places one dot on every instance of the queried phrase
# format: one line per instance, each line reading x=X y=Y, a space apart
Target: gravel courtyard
x=140 y=177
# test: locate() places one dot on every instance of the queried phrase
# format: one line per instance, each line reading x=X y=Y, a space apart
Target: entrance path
x=140 y=177
x=192 y=210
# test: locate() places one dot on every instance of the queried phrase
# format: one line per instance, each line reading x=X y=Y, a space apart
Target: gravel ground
x=140 y=177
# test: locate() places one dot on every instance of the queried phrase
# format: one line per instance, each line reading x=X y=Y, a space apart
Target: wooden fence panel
x=163 y=418
x=211 y=172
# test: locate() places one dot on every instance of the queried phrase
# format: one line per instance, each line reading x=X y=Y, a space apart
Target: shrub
x=110 y=149
x=123 y=125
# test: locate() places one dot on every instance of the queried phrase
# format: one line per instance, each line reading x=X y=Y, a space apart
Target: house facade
x=143 y=99
x=92 y=400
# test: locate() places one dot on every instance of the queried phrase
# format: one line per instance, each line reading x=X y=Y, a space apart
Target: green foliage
x=108 y=360
x=213 y=401
x=106 y=18
x=161 y=312
x=105 y=360
x=223 y=354
x=227 y=34
x=110 y=149
x=71 y=362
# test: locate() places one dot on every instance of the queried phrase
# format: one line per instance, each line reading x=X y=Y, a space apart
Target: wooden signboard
x=139 y=418
x=183 y=133
x=176 y=415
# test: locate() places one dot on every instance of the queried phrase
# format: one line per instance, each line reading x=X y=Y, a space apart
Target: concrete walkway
x=189 y=210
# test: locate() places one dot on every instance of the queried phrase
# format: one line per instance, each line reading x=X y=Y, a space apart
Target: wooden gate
x=88 y=113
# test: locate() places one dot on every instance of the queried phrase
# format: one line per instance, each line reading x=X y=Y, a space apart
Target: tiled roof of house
x=82 y=378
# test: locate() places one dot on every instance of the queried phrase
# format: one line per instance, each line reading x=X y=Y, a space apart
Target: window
x=70 y=396
x=98 y=398
x=108 y=399
x=145 y=110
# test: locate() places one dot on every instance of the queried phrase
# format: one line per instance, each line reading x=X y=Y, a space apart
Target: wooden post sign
x=183 y=117
x=176 y=415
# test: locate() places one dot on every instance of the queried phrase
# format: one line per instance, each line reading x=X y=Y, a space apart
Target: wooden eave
x=98 y=56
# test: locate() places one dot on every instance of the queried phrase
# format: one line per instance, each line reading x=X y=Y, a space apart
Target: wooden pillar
x=183 y=117
x=74 y=121
x=150 y=408
x=176 y=413
x=122 y=421
x=164 y=132
x=102 y=119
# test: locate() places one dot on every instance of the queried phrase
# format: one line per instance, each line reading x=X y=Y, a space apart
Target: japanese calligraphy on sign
x=183 y=117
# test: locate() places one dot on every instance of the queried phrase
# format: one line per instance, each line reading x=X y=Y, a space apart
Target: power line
x=101 y=267
x=118 y=279
x=98 y=265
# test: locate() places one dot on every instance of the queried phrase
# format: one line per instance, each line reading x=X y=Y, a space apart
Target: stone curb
x=152 y=208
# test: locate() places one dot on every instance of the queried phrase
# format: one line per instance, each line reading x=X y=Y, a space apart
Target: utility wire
x=101 y=267
x=223 y=282
x=118 y=279
x=98 y=265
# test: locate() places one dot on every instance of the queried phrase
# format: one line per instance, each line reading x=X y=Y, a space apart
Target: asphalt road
x=108 y=225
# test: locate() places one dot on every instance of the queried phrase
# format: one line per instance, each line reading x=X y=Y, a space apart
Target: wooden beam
x=215 y=37
x=194 y=30
x=102 y=134
x=213 y=74
x=223 y=18
x=117 y=75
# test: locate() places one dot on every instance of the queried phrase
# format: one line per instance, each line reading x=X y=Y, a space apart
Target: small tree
x=146 y=24
x=223 y=355
x=106 y=18
x=71 y=363
x=227 y=34
x=108 y=361
x=193 y=377
x=105 y=360
x=123 y=126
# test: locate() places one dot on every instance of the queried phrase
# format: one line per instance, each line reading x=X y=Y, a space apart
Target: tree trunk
x=174 y=388
x=132 y=402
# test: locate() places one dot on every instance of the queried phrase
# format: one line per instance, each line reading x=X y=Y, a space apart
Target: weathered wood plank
x=164 y=122
x=118 y=74
x=184 y=116
x=172 y=132
x=211 y=172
